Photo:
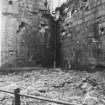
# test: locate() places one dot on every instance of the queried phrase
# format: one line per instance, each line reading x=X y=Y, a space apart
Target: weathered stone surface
x=22 y=40
x=82 y=36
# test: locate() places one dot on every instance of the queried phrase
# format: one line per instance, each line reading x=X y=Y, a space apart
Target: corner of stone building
x=24 y=29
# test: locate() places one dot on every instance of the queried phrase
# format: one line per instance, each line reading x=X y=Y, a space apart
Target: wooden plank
x=39 y=98
x=17 y=96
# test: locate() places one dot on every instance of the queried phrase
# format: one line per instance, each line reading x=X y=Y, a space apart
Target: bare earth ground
x=75 y=87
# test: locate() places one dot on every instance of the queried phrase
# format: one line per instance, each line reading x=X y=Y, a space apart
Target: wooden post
x=17 y=96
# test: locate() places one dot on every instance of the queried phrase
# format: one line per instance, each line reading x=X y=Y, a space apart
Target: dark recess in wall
x=21 y=26
x=10 y=2
x=53 y=52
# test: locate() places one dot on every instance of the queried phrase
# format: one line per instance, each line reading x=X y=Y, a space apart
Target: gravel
x=75 y=87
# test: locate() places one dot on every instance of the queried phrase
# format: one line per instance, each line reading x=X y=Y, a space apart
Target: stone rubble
x=78 y=88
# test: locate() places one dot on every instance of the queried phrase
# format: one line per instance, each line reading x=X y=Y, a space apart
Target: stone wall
x=24 y=29
x=83 y=32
